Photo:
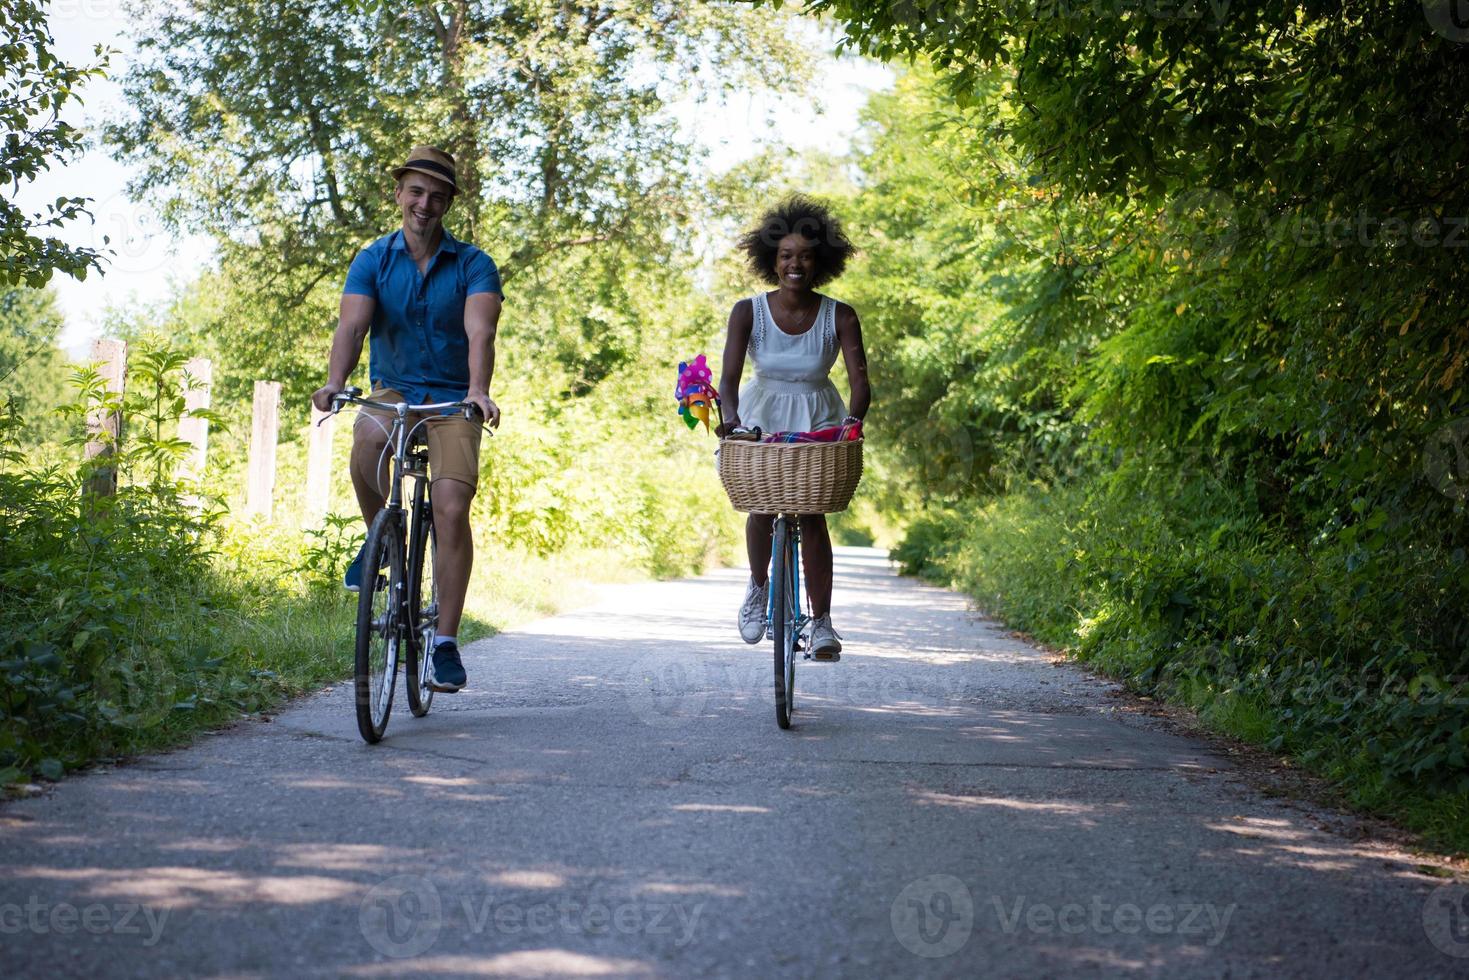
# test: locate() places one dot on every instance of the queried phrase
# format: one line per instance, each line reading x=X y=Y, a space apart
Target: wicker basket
x=790 y=477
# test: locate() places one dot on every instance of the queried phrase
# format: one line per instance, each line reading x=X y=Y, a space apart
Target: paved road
x=612 y=798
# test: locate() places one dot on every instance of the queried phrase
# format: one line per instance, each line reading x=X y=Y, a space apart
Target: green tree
x=1285 y=282
x=35 y=86
x=33 y=370
x=1224 y=270
x=273 y=127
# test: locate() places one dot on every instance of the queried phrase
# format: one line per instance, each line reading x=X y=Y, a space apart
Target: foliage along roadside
x=1216 y=458
x=136 y=620
x=37 y=87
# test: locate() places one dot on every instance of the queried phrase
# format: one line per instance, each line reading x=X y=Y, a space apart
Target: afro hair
x=812 y=220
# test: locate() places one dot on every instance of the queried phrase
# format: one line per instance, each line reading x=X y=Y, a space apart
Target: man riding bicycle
x=431 y=305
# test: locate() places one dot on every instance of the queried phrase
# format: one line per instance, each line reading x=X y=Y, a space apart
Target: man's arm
x=354 y=320
x=481 y=320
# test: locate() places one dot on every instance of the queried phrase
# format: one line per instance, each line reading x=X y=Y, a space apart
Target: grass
x=1293 y=651
x=266 y=632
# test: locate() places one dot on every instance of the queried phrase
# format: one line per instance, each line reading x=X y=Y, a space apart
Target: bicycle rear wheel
x=783 y=614
x=379 y=625
x=423 y=603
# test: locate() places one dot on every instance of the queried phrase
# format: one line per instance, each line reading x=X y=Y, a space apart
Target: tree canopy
x=273 y=128
x=35 y=86
x=1187 y=295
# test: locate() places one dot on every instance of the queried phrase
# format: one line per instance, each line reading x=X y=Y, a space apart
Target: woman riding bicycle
x=792 y=334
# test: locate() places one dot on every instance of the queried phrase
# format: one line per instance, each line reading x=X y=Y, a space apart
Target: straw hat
x=429 y=161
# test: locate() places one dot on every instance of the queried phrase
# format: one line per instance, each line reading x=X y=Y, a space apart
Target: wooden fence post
x=319 y=465
x=198 y=377
x=104 y=428
x=265 y=425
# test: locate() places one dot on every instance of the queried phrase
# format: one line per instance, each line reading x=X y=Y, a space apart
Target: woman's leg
x=757 y=545
x=816 y=543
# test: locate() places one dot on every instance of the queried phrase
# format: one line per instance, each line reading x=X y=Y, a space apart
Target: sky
x=150 y=261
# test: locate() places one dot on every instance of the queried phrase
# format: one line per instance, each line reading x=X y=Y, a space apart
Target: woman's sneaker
x=826 y=645
x=752 y=612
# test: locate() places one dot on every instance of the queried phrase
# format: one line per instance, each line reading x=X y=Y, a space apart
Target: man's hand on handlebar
x=488 y=410
x=322 y=397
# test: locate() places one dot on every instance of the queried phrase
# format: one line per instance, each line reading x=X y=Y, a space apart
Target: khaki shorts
x=453 y=440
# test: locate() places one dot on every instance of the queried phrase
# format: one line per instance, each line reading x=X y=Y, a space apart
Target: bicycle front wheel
x=423 y=602
x=380 y=605
x=783 y=613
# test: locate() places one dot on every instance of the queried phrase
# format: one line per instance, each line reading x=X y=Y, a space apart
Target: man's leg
x=369 y=471
x=453 y=463
x=456 y=550
x=369 y=464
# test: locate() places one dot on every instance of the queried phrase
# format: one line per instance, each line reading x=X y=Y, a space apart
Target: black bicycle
x=398 y=602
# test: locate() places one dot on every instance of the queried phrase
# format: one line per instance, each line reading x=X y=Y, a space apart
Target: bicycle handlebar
x=353 y=396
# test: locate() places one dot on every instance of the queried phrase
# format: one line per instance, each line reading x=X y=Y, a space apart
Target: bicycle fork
x=798 y=619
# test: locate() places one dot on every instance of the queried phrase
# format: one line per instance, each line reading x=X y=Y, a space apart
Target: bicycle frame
x=793 y=524
x=399 y=436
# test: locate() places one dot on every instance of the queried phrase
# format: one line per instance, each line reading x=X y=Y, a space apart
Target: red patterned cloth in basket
x=850 y=432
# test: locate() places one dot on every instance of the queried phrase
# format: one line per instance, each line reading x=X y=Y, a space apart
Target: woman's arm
x=849 y=335
x=736 y=340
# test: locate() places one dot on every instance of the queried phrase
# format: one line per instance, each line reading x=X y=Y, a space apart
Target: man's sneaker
x=449 y=673
x=353 y=579
x=826 y=645
x=752 y=612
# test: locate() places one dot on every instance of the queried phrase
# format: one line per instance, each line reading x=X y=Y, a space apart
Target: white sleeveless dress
x=791 y=390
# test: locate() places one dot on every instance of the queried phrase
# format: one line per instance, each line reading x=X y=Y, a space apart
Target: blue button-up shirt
x=417 y=344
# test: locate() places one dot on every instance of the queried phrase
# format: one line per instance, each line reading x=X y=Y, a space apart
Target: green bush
x=135 y=619
x=1348 y=651
x=132 y=618
x=586 y=474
